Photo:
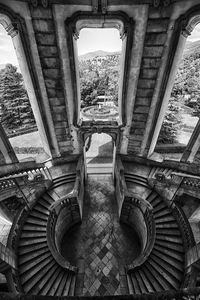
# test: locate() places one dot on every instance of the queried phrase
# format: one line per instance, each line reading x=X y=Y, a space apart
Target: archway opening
x=99 y=53
x=16 y=114
x=183 y=111
x=99 y=153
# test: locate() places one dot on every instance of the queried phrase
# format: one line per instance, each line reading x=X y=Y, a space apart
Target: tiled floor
x=101 y=246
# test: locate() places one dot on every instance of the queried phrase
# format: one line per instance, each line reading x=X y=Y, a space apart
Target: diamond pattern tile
x=100 y=247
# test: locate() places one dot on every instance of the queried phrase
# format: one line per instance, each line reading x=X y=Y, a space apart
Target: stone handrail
x=71 y=204
x=22 y=183
x=51 y=224
x=146 y=210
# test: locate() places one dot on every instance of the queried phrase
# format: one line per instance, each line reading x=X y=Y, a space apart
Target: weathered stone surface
x=51 y=83
x=52 y=93
x=153 y=63
x=152 y=51
x=57 y=101
x=48 y=51
x=141 y=109
x=157 y=25
x=137 y=124
x=155 y=38
x=62 y=131
x=50 y=62
x=145 y=93
x=136 y=131
x=59 y=116
x=139 y=117
x=43 y=25
x=61 y=125
x=41 y=13
x=143 y=101
x=146 y=83
x=148 y=73
x=52 y=73
x=46 y=39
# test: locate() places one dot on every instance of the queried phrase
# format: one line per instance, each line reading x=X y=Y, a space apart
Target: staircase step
x=168 y=252
x=171 y=239
x=170 y=281
x=53 y=291
x=135 y=283
x=161 y=231
x=170 y=245
x=27 y=257
x=159 y=277
x=170 y=268
x=33 y=234
x=35 y=270
x=130 y=284
x=45 y=201
x=32 y=248
x=162 y=213
x=62 y=284
x=170 y=225
x=152 y=197
x=26 y=242
x=165 y=219
x=153 y=280
x=32 y=227
x=160 y=207
x=157 y=201
x=38 y=215
x=146 y=281
x=141 y=283
x=32 y=220
x=41 y=209
x=32 y=263
x=44 y=284
x=47 y=288
x=49 y=196
x=170 y=260
x=34 y=284
x=70 y=285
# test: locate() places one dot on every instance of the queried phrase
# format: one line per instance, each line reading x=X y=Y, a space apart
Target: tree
x=16 y=111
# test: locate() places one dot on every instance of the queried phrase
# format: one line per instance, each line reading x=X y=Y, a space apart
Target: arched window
x=177 y=135
x=22 y=120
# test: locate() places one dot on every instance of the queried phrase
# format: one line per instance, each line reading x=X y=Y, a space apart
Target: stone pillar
x=7 y=154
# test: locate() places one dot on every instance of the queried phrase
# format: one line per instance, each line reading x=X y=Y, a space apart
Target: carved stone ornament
x=36 y=3
x=161 y=3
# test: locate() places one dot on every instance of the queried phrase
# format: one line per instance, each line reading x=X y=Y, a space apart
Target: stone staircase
x=164 y=268
x=39 y=273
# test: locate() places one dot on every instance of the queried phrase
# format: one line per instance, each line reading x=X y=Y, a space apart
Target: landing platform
x=100 y=247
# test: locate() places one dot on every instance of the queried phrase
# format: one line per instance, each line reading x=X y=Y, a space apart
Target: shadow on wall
x=105 y=154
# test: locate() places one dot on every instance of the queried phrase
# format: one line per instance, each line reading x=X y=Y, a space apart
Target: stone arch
x=15 y=26
x=118 y=20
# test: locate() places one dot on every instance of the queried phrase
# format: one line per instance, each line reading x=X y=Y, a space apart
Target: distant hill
x=191 y=48
x=91 y=55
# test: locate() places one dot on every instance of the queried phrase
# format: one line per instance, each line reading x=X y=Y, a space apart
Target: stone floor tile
x=100 y=246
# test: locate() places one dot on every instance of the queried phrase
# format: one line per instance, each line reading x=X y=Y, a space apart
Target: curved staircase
x=164 y=269
x=38 y=272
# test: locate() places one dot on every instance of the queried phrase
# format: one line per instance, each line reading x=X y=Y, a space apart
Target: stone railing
x=64 y=213
x=129 y=203
x=51 y=229
x=22 y=183
x=146 y=227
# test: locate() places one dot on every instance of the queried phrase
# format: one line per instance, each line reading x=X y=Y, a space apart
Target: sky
x=7 y=51
x=195 y=35
x=106 y=39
